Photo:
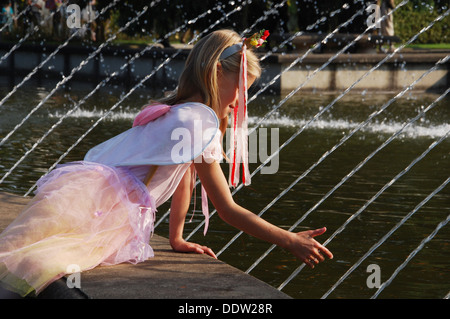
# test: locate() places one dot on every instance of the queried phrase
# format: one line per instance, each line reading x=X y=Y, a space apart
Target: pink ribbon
x=239 y=134
x=150 y=112
x=205 y=208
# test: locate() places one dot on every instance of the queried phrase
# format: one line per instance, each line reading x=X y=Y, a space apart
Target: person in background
x=387 y=24
x=7 y=16
x=34 y=12
x=88 y=16
x=52 y=6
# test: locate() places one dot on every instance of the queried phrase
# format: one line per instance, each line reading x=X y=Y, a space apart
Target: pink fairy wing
x=150 y=113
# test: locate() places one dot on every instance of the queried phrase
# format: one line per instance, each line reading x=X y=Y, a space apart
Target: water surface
x=426 y=276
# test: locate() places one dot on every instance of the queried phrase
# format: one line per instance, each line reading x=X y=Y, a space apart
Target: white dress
x=98 y=211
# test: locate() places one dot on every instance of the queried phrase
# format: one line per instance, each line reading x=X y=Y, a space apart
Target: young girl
x=101 y=211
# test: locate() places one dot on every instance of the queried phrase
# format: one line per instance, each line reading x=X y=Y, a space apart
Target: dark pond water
x=425 y=276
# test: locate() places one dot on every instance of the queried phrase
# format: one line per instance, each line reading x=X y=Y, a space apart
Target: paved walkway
x=168 y=275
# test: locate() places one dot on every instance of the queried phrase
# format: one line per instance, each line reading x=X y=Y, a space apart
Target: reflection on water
x=426 y=276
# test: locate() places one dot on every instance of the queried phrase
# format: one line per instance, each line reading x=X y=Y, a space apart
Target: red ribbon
x=239 y=134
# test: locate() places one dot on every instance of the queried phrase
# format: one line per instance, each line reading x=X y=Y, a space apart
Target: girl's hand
x=183 y=246
x=307 y=249
x=301 y=245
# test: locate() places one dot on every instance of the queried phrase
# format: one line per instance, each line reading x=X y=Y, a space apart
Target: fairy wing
x=178 y=136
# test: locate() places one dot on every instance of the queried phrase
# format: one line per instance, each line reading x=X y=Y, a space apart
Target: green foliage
x=415 y=15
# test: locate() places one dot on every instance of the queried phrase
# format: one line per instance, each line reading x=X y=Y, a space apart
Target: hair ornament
x=257 y=39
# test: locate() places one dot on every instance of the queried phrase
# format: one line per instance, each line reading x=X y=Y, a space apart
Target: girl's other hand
x=183 y=246
x=307 y=249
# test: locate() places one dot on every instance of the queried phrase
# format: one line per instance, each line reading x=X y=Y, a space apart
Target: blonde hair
x=200 y=73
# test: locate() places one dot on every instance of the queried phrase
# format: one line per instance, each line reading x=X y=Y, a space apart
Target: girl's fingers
x=321 y=248
x=209 y=252
x=317 y=232
x=325 y=251
x=311 y=262
x=319 y=256
x=204 y=250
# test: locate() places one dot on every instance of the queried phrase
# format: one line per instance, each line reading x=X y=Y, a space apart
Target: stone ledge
x=169 y=275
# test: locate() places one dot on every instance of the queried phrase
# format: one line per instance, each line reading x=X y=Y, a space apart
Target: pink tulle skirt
x=83 y=215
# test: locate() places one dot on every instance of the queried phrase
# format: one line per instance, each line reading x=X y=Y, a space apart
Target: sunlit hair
x=200 y=73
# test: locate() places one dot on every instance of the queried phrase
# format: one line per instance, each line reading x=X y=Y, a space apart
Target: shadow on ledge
x=169 y=275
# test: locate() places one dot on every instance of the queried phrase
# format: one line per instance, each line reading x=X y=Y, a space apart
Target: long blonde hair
x=200 y=73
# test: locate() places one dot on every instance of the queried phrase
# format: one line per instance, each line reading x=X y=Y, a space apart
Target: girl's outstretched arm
x=302 y=245
x=178 y=210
